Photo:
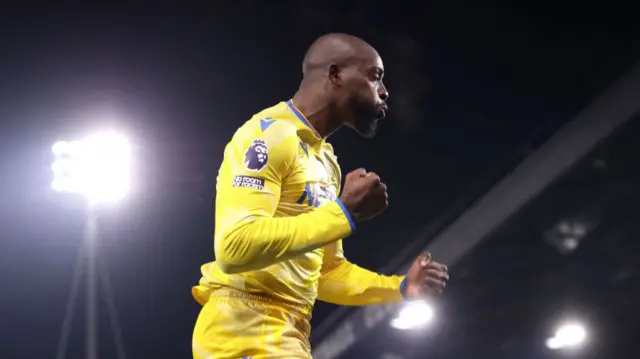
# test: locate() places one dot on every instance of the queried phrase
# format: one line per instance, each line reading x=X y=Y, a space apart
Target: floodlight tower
x=97 y=168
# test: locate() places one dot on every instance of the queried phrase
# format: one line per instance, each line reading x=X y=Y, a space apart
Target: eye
x=377 y=75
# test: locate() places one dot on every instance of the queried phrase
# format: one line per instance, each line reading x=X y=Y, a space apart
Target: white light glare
x=98 y=167
x=413 y=315
x=567 y=336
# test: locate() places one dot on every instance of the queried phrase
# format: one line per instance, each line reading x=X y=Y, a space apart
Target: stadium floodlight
x=97 y=167
x=413 y=315
x=568 y=335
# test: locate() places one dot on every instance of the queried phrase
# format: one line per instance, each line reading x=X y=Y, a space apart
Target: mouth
x=382 y=112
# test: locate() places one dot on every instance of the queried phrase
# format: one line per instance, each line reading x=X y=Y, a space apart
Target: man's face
x=366 y=95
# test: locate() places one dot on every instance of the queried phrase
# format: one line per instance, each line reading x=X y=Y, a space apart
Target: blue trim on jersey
x=346 y=213
x=403 y=284
x=301 y=117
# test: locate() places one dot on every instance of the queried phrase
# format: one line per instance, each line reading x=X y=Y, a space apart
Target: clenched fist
x=364 y=195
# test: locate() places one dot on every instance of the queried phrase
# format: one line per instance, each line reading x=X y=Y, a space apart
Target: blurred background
x=511 y=152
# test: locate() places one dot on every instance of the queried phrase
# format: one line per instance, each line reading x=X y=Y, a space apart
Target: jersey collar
x=306 y=125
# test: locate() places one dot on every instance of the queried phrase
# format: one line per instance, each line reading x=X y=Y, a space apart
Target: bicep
x=250 y=178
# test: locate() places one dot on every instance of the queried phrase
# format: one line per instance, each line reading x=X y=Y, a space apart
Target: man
x=279 y=223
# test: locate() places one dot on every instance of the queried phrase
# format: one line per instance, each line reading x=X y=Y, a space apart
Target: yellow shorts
x=236 y=325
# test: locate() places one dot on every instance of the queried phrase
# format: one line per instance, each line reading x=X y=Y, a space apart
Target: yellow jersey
x=279 y=223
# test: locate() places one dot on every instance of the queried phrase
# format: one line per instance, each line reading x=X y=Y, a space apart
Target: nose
x=383 y=93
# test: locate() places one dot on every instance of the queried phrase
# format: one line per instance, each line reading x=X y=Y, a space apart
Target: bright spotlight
x=59 y=148
x=97 y=167
x=569 y=335
x=414 y=315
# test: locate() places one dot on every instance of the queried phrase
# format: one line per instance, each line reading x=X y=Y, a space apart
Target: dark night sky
x=472 y=90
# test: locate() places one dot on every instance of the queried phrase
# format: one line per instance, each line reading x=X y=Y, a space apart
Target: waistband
x=226 y=292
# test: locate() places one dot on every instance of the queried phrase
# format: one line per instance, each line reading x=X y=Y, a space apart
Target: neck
x=317 y=111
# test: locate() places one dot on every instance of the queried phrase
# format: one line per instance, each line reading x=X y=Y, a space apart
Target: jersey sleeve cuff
x=348 y=215
x=402 y=289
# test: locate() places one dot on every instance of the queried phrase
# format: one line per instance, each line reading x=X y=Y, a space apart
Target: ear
x=335 y=74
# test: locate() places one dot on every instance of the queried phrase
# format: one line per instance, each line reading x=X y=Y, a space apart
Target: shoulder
x=274 y=132
x=266 y=142
x=269 y=125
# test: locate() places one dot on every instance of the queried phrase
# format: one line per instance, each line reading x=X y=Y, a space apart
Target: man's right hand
x=364 y=195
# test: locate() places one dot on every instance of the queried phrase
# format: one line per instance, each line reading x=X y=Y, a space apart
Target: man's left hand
x=425 y=279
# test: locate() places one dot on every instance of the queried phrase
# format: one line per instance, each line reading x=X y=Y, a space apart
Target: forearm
x=269 y=240
x=348 y=284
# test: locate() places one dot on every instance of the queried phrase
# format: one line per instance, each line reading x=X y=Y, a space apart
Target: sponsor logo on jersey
x=315 y=195
x=265 y=123
x=248 y=182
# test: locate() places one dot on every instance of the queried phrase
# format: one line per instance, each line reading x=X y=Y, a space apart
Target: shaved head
x=336 y=49
x=343 y=74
